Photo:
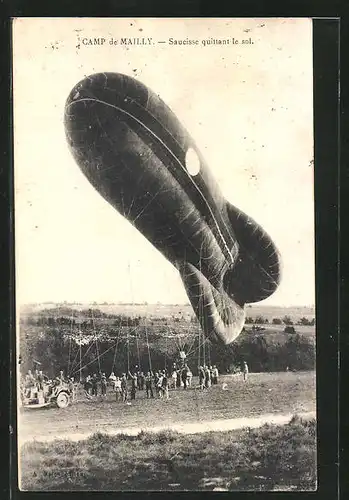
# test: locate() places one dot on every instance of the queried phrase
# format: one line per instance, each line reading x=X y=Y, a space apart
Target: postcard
x=165 y=274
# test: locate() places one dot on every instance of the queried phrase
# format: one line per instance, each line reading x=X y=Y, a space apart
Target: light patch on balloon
x=192 y=162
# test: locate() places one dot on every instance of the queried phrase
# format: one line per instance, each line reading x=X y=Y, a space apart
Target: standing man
x=165 y=383
x=112 y=379
x=87 y=385
x=71 y=387
x=141 y=381
x=159 y=384
x=185 y=376
x=215 y=375
x=207 y=377
x=40 y=380
x=174 y=378
x=94 y=383
x=118 y=391
x=138 y=380
x=124 y=387
x=134 y=382
x=149 y=385
x=189 y=376
x=201 y=377
x=104 y=385
x=178 y=384
x=245 y=370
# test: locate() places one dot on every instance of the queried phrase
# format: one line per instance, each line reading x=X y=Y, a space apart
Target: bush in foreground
x=270 y=457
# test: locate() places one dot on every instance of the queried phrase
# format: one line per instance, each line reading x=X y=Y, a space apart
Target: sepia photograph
x=164 y=254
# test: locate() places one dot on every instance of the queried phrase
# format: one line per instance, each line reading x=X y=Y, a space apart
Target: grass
x=278 y=393
x=272 y=457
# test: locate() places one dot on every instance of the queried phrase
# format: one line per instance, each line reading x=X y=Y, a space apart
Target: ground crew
x=94 y=384
x=149 y=385
x=184 y=375
x=164 y=386
x=133 y=384
x=112 y=379
x=124 y=390
x=207 y=377
x=245 y=370
x=88 y=384
x=159 y=384
x=104 y=385
x=201 y=377
x=118 y=391
x=215 y=375
x=141 y=381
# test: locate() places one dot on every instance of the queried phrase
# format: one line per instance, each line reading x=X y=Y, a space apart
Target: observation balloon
x=139 y=157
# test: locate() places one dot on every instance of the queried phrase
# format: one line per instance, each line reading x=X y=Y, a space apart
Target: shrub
x=277 y=321
x=287 y=320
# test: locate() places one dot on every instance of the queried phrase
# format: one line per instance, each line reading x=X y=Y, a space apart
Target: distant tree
x=304 y=321
x=287 y=320
x=312 y=322
x=259 y=320
x=299 y=353
x=249 y=320
x=277 y=321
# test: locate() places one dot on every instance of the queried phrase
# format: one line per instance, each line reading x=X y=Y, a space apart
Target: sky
x=249 y=108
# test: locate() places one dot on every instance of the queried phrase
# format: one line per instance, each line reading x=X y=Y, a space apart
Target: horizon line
x=121 y=303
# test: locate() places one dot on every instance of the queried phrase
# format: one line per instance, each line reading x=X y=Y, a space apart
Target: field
x=263 y=393
x=269 y=458
x=90 y=456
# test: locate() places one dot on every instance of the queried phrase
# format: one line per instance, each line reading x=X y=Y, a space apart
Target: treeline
x=145 y=349
x=52 y=321
x=286 y=320
x=86 y=319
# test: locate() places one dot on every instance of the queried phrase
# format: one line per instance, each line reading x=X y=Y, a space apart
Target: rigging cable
x=95 y=359
x=97 y=350
x=116 y=346
x=146 y=334
x=80 y=342
x=70 y=339
x=133 y=316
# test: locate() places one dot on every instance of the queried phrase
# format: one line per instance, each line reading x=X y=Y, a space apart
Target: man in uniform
x=159 y=384
x=104 y=385
x=164 y=386
x=94 y=383
x=207 y=377
x=118 y=391
x=245 y=370
x=134 y=381
x=112 y=379
x=124 y=390
x=201 y=377
x=185 y=376
x=149 y=385
x=141 y=381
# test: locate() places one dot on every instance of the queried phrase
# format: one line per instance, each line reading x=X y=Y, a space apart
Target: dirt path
x=185 y=428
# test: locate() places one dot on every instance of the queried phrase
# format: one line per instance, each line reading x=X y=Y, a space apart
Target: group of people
x=154 y=383
x=208 y=375
x=37 y=381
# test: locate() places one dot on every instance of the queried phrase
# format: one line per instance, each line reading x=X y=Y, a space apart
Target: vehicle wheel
x=62 y=400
